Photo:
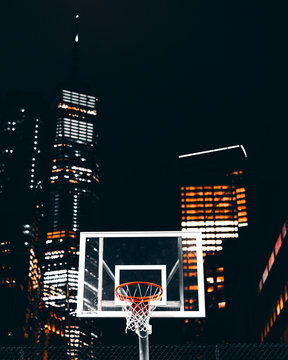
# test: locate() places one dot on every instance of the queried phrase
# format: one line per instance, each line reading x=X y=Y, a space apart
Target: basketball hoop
x=138 y=302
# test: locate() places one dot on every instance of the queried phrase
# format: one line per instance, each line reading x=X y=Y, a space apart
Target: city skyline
x=170 y=80
x=172 y=62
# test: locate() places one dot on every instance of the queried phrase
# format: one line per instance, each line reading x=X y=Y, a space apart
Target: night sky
x=171 y=77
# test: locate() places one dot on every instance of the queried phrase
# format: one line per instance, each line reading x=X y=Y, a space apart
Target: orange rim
x=139 y=298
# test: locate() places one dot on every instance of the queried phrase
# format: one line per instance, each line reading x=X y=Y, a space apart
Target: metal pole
x=216 y=352
x=143 y=345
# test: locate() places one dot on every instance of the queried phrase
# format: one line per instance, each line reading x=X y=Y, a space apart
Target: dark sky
x=172 y=77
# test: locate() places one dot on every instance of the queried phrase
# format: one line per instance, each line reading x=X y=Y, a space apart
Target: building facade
x=272 y=297
x=22 y=158
x=73 y=207
x=214 y=202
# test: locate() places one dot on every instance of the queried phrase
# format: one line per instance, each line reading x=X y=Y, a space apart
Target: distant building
x=213 y=201
x=272 y=299
x=22 y=158
x=73 y=207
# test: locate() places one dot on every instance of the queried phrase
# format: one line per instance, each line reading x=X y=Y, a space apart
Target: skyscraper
x=272 y=297
x=22 y=156
x=213 y=201
x=73 y=204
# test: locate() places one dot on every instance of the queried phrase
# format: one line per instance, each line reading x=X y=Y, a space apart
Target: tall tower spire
x=75 y=68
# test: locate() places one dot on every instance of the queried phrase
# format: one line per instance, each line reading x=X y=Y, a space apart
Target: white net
x=138 y=303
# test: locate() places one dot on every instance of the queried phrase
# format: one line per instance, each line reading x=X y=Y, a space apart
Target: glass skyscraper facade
x=73 y=206
x=214 y=202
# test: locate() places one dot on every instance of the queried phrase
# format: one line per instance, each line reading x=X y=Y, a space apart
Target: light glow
x=215 y=150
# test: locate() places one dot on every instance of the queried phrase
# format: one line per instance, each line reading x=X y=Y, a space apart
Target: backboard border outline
x=122 y=234
x=160 y=302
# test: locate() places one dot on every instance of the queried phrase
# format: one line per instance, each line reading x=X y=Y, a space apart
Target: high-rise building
x=73 y=206
x=272 y=295
x=213 y=201
x=22 y=159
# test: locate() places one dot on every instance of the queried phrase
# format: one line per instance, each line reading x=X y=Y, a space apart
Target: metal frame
x=156 y=314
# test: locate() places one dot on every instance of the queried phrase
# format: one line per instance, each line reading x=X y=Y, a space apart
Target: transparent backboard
x=107 y=259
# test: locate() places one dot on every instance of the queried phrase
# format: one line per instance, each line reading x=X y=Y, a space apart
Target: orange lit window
x=278 y=244
x=265 y=275
x=220 y=287
x=194 y=211
x=194 y=200
x=221 y=305
x=193 y=287
x=210 y=280
x=240 y=196
x=208 y=193
x=226 y=198
x=271 y=261
x=220 y=269
x=210 y=289
x=271 y=320
x=224 y=204
x=260 y=285
x=285 y=293
x=220 y=187
x=240 y=190
x=242 y=213
x=223 y=211
x=278 y=308
x=239 y=208
x=208 y=205
x=243 y=220
x=220 y=279
x=223 y=217
x=281 y=302
x=219 y=193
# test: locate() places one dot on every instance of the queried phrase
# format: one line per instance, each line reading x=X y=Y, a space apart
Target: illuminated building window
x=271 y=321
x=284 y=230
x=278 y=244
x=281 y=303
x=278 y=309
x=79 y=99
x=210 y=280
x=222 y=305
x=271 y=261
x=265 y=275
x=260 y=284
